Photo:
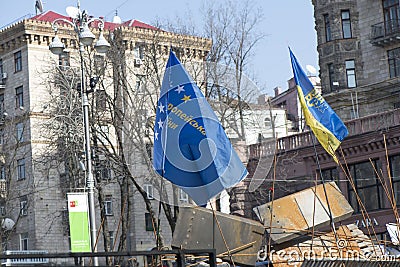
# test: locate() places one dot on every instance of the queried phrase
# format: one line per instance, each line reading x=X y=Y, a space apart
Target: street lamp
x=80 y=22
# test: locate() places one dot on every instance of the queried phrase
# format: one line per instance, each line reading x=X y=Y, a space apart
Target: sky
x=285 y=23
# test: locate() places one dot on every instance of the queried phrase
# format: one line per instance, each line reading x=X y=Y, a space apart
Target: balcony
x=385 y=33
x=19 y=261
x=372 y=123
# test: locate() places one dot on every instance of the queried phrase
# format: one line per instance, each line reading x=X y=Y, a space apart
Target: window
x=346 y=24
x=103 y=132
x=330 y=175
x=99 y=64
x=108 y=207
x=19 y=97
x=101 y=100
x=23 y=206
x=328 y=33
x=139 y=87
x=148 y=222
x=2 y=172
x=1 y=66
x=149 y=150
x=23 y=241
x=18 y=61
x=391 y=12
x=267 y=122
x=21 y=169
x=2 y=210
x=350 y=74
x=394 y=62
x=331 y=76
x=138 y=51
x=367 y=185
x=149 y=190
x=1 y=105
x=20 y=131
x=183 y=196
x=112 y=239
x=394 y=164
x=104 y=171
x=1 y=136
x=64 y=60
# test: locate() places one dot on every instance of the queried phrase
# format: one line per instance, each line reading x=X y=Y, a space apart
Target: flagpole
x=324 y=187
x=165 y=131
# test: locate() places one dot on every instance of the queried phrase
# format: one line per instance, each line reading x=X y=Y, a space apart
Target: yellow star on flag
x=186 y=98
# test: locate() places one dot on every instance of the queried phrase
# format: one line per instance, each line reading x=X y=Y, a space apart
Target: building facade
x=358 y=47
x=33 y=190
x=358 y=61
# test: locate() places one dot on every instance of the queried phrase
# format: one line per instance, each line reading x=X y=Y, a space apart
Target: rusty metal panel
x=197 y=228
x=294 y=214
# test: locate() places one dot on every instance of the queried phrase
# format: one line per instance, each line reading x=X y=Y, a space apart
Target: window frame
x=20 y=131
x=394 y=62
x=108 y=206
x=394 y=161
x=23 y=206
x=3 y=174
x=24 y=241
x=148 y=222
x=183 y=196
x=327 y=27
x=149 y=188
x=2 y=105
x=64 y=60
x=346 y=24
x=363 y=185
x=18 y=61
x=351 y=73
x=331 y=76
x=21 y=169
x=19 y=97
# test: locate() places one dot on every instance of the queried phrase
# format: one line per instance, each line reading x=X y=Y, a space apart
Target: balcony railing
x=385 y=33
x=24 y=261
x=372 y=123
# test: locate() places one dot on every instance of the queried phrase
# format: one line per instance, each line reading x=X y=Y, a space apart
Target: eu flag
x=323 y=121
x=191 y=149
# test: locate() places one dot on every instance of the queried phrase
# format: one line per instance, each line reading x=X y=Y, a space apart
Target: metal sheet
x=294 y=214
x=197 y=228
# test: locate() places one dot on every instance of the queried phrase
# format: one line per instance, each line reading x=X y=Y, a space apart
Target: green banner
x=79 y=222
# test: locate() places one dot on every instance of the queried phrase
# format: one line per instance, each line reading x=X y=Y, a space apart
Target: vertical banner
x=79 y=222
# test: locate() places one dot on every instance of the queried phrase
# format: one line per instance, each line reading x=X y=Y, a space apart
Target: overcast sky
x=286 y=23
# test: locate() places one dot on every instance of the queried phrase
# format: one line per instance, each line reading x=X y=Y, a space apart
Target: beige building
x=34 y=175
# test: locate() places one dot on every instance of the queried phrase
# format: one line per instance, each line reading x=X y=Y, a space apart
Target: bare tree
x=233 y=28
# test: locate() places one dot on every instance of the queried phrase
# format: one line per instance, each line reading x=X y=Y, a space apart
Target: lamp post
x=80 y=22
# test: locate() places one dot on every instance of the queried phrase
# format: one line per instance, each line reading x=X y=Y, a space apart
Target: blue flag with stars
x=191 y=148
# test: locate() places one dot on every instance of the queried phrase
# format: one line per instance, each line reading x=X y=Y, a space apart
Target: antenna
x=311 y=70
x=39 y=6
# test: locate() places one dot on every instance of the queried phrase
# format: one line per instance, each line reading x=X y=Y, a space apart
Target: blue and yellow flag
x=320 y=117
x=191 y=148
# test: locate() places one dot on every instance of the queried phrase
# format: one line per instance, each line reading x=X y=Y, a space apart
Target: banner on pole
x=79 y=222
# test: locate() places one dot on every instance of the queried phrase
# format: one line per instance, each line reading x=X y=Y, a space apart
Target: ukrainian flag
x=320 y=117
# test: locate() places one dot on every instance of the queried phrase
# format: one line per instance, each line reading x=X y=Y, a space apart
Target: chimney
x=278 y=91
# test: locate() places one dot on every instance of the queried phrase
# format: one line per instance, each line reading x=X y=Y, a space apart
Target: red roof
x=50 y=16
